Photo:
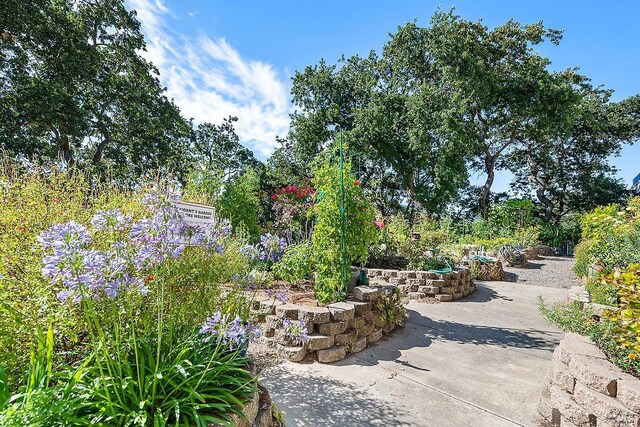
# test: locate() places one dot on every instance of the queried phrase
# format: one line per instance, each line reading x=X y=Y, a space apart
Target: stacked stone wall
x=583 y=388
x=424 y=285
x=334 y=331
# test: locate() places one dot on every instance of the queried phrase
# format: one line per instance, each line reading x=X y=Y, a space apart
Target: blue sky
x=220 y=58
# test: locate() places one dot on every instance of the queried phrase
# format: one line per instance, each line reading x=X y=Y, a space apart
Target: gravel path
x=550 y=272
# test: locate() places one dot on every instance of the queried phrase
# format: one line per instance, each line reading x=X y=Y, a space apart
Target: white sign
x=195 y=214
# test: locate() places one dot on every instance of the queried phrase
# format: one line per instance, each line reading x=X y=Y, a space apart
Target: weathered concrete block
x=397 y=281
x=294 y=354
x=629 y=392
x=571 y=346
x=365 y=293
x=287 y=311
x=416 y=282
x=446 y=276
x=268 y=332
x=250 y=411
x=332 y=328
x=357 y=323
x=561 y=376
x=606 y=408
x=405 y=288
x=341 y=311
x=435 y=282
x=366 y=329
x=374 y=336
x=444 y=297
x=458 y=295
x=332 y=355
x=314 y=314
x=319 y=342
x=269 y=306
x=568 y=407
x=448 y=290
x=359 y=345
x=272 y=321
x=597 y=374
x=346 y=338
x=417 y=295
x=360 y=307
x=374 y=272
x=429 y=290
x=387 y=274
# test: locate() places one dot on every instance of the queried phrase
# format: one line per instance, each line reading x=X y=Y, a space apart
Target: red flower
x=274 y=197
x=356 y=183
x=56 y=200
x=149 y=278
x=22 y=228
x=379 y=223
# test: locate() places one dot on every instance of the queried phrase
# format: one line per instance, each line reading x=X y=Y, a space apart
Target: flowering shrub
x=297 y=263
x=292 y=206
x=627 y=284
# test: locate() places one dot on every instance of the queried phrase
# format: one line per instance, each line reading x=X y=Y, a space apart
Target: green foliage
x=627 y=284
x=75 y=85
x=241 y=203
x=392 y=308
x=611 y=239
x=602 y=292
x=297 y=263
x=327 y=238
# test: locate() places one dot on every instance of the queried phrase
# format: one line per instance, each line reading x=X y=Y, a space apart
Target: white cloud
x=209 y=80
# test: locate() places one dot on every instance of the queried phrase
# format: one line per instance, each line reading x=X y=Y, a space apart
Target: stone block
x=320 y=342
x=314 y=314
x=545 y=407
x=406 y=274
x=405 y=288
x=629 y=392
x=360 y=307
x=365 y=293
x=448 y=290
x=597 y=374
x=570 y=346
x=606 y=408
x=374 y=272
x=446 y=276
x=332 y=328
x=561 y=376
x=265 y=417
x=341 y=311
x=416 y=282
x=346 y=338
x=268 y=332
x=565 y=422
x=435 y=282
x=287 y=311
x=432 y=290
x=444 y=297
x=417 y=295
x=332 y=355
x=458 y=295
x=359 y=345
x=357 y=323
x=269 y=306
x=397 y=281
x=388 y=274
x=366 y=329
x=272 y=321
x=568 y=407
x=374 y=336
x=250 y=411
x=294 y=354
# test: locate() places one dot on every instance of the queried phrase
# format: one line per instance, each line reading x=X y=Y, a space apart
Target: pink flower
x=379 y=223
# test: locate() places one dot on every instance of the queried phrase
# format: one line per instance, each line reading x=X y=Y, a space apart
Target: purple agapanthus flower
x=110 y=220
x=232 y=334
x=64 y=237
x=295 y=331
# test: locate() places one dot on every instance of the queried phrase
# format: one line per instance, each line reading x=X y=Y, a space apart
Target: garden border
x=428 y=286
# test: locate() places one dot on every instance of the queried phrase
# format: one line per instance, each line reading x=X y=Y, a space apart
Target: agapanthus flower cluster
x=295 y=331
x=233 y=334
x=269 y=249
x=111 y=220
x=85 y=272
x=280 y=295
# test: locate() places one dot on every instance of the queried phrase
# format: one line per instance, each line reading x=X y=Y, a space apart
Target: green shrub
x=328 y=236
x=297 y=263
x=602 y=292
x=627 y=284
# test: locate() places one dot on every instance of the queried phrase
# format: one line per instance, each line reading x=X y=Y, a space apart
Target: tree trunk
x=489 y=168
x=541 y=187
x=65 y=148
x=106 y=139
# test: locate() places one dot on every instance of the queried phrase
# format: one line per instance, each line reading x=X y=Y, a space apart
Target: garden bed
x=332 y=332
x=425 y=286
x=583 y=388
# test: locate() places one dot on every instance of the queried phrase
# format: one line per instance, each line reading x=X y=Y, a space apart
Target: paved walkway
x=479 y=361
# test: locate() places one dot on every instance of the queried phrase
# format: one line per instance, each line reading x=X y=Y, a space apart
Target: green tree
x=72 y=83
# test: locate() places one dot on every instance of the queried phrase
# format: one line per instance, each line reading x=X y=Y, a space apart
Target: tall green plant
x=332 y=186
